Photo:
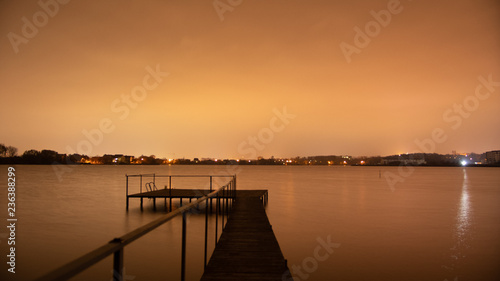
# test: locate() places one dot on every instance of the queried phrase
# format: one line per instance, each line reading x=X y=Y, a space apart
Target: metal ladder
x=150 y=186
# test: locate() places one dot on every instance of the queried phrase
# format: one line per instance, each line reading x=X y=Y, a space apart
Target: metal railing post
x=227 y=201
x=127 y=190
x=210 y=192
x=183 y=257
x=216 y=217
x=223 y=194
x=118 y=265
x=206 y=233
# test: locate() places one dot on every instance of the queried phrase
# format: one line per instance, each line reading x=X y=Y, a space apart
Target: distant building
x=116 y=159
x=493 y=157
x=96 y=160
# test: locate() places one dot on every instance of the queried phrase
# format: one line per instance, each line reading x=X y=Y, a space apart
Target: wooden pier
x=246 y=249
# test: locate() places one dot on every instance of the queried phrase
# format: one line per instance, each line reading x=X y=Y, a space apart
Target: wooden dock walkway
x=247 y=249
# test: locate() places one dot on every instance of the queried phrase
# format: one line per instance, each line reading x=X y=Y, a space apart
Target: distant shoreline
x=255 y=164
x=50 y=157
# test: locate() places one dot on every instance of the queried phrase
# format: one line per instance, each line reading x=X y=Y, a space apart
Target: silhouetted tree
x=31 y=156
x=3 y=150
x=48 y=156
x=11 y=151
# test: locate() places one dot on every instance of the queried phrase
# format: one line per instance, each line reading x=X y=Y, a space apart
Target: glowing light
x=464 y=162
x=362 y=162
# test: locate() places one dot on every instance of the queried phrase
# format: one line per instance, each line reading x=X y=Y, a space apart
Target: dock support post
x=216 y=217
x=118 y=265
x=206 y=234
x=210 y=192
x=127 y=189
x=183 y=257
x=170 y=192
x=222 y=210
x=154 y=203
x=141 y=202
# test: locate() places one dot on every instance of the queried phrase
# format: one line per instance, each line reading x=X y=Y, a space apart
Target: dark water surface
x=432 y=224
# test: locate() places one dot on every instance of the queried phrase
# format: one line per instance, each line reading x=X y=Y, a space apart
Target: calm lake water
x=434 y=224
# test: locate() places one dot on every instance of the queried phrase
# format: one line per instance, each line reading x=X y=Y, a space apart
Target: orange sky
x=67 y=70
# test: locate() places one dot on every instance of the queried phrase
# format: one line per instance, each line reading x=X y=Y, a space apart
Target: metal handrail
x=116 y=245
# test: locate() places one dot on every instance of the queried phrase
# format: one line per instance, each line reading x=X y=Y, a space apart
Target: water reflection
x=463 y=216
x=463 y=225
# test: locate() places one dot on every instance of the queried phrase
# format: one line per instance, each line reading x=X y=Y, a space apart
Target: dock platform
x=191 y=194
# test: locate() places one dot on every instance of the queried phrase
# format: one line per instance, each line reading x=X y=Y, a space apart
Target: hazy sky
x=246 y=78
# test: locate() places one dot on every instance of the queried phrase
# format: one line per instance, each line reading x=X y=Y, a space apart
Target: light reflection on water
x=463 y=225
x=463 y=216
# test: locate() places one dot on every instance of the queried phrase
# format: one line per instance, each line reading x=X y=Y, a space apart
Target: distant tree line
x=8 y=155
